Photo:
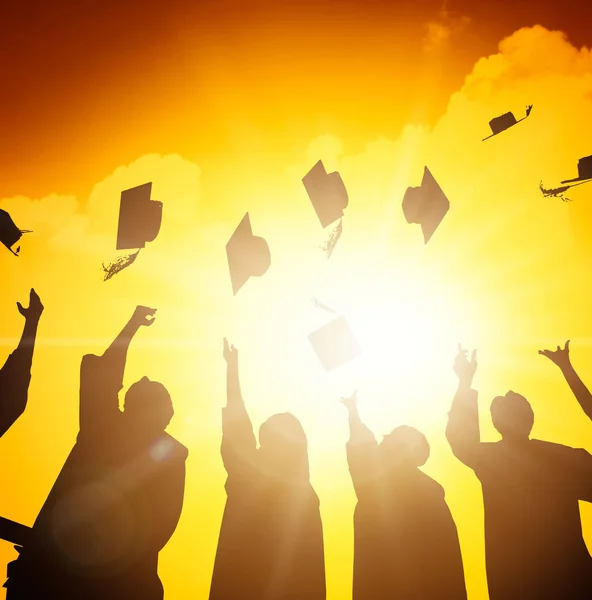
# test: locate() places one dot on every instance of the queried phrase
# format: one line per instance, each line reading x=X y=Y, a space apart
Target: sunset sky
x=225 y=106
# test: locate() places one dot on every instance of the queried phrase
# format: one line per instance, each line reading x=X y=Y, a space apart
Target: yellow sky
x=506 y=272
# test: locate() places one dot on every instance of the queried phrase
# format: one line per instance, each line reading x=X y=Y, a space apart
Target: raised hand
x=560 y=356
x=34 y=309
x=465 y=369
x=230 y=353
x=143 y=316
x=351 y=402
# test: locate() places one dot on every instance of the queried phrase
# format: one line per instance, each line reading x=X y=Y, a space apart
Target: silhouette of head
x=405 y=447
x=512 y=416
x=149 y=405
x=283 y=446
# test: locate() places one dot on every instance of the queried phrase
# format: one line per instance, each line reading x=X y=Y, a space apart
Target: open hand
x=143 y=316
x=465 y=369
x=560 y=356
x=230 y=353
x=351 y=402
x=35 y=307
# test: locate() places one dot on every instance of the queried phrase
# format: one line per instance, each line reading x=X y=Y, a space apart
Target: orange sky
x=225 y=111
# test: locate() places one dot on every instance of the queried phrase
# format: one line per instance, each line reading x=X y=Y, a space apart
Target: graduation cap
x=139 y=222
x=14 y=532
x=139 y=218
x=426 y=205
x=10 y=234
x=505 y=121
x=584 y=170
x=248 y=255
x=335 y=344
x=329 y=197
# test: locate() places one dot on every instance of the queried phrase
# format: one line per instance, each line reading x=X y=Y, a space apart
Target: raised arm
x=101 y=377
x=15 y=375
x=562 y=359
x=362 y=449
x=238 y=440
x=462 y=431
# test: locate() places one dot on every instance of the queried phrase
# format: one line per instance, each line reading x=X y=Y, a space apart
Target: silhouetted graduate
x=505 y=121
x=248 y=255
x=426 y=205
x=15 y=375
x=271 y=538
x=329 y=198
x=533 y=533
x=562 y=359
x=405 y=540
x=10 y=234
x=118 y=498
x=139 y=222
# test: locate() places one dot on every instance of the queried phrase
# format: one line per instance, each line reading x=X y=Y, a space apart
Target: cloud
x=439 y=31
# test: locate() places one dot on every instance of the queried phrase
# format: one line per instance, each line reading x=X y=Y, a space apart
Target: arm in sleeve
x=15 y=377
x=238 y=440
x=362 y=454
x=462 y=431
x=579 y=389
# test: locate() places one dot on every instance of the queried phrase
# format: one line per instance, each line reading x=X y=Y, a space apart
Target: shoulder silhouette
x=405 y=540
x=119 y=495
x=531 y=488
x=271 y=538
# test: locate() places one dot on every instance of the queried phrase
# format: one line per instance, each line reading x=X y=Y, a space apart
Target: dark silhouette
x=139 y=222
x=426 y=205
x=505 y=121
x=533 y=534
x=10 y=234
x=584 y=170
x=248 y=255
x=118 y=498
x=329 y=198
x=405 y=540
x=271 y=539
x=562 y=359
x=15 y=375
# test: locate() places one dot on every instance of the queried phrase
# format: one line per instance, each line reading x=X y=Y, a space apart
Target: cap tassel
x=334 y=236
x=119 y=264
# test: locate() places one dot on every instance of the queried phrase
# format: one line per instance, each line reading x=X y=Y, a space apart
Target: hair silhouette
x=271 y=538
x=533 y=534
x=405 y=540
x=15 y=375
x=119 y=495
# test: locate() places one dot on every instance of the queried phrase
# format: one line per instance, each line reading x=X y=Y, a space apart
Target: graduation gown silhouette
x=271 y=539
x=405 y=539
x=112 y=508
x=531 y=490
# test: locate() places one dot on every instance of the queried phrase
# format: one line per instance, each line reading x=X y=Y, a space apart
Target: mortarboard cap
x=10 y=234
x=139 y=218
x=426 y=205
x=326 y=192
x=335 y=344
x=13 y=532
x=248 y=255
x=504 y=122
x=584 y=170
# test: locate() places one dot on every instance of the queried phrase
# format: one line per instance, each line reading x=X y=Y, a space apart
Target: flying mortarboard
x=426 y=205
x=504 y=122
x=248 y=255
x=10 y=234
x=139 y=222
x=335 y=344
x=139 y=218
x=584 y=170
x=326 y=192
